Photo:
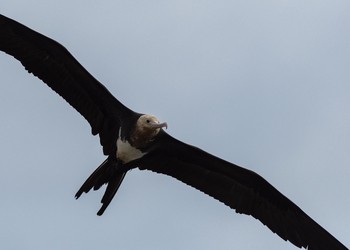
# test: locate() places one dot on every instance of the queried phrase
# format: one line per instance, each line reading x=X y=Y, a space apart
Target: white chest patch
x=126 y=152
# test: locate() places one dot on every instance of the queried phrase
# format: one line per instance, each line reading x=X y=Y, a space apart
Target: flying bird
x=135 y=140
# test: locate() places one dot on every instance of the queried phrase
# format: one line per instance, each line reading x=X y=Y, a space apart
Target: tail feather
x=106 y=173
x=94 y=180
x=104 y=177
x=111 y=190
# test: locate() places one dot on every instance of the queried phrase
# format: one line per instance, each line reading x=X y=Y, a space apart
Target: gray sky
x=263 y=84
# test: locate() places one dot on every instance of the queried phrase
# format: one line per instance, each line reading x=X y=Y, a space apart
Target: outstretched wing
x=241 y=189
x=54 y=65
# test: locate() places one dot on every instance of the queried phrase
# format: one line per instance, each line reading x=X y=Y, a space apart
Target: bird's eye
x=148 y=121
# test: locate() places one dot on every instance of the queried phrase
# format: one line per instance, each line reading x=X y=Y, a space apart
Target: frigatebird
x=134 y=140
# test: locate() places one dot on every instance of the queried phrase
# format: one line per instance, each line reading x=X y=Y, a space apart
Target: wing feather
x=241 y=189
x=54 y=65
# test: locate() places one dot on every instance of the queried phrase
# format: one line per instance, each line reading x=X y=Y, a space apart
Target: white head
x=147 y=127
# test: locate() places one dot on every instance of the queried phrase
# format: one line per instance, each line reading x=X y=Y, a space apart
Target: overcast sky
x=263 y=84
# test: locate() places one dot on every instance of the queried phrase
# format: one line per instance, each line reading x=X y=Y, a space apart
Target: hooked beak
x=159 y=125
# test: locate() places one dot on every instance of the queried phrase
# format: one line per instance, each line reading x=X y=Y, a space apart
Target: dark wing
x=241 y=189
x=53 y=64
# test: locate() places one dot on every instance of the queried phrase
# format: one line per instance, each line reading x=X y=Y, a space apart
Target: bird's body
x=133 y=140
x=126 y=152
x=135 y=144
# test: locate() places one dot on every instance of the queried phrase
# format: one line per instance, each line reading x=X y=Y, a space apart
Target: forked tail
x=106 y=173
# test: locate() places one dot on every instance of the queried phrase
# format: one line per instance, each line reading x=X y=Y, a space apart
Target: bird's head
x=147 y=127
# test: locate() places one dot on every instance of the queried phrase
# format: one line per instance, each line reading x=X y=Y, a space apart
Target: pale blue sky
x=263 y=84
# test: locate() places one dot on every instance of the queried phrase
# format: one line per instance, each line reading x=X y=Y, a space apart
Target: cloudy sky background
x=263 y=84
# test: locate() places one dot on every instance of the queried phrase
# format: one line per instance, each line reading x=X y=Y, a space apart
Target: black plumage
x=241 y=189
